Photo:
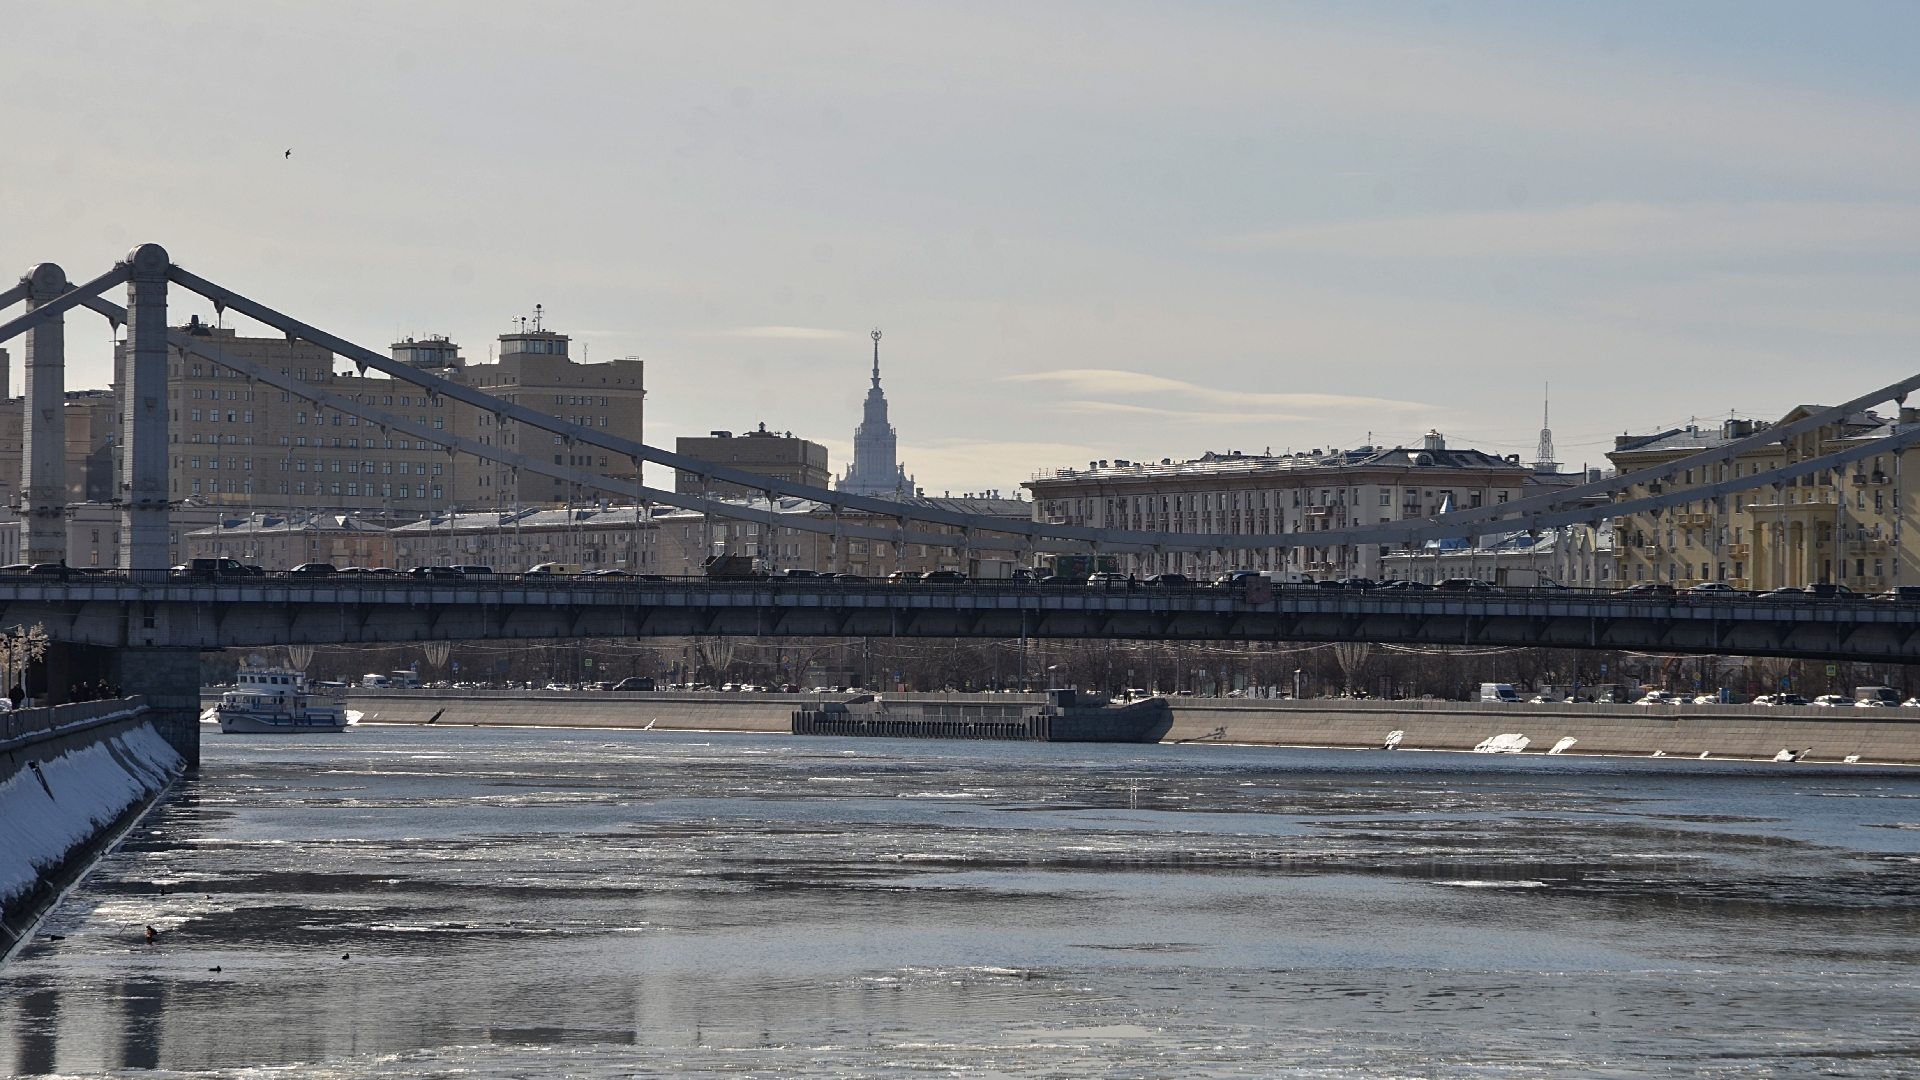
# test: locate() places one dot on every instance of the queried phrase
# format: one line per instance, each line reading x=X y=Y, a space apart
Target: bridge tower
x=44 y=436
x=169 y=677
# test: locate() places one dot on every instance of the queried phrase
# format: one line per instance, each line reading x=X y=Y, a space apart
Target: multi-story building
x=593 y=538
x=274 y=542
x=536 y=370
x=689 y=537
x=93 y=532
x=1576 y=556
x=767 y=453
x=1822 y=528
x=1312 y=491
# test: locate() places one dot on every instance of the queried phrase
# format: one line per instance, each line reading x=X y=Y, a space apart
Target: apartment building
x=1312 y=491
x=276 y=542
x=536 y=369
x=689 y=537
x=1843 y=528
x=767 y=453
x=592 y=538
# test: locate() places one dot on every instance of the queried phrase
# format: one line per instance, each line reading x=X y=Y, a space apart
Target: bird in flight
x=289 y=154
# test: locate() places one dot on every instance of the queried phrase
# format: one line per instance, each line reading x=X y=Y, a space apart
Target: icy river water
x=419 y=902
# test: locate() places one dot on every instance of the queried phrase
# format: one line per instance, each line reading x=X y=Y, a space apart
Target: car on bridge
x=203 y=570
x=904 y=577
x=313 y=569
x=1107 y=580
x=1647 y=588
x=943 y=577
x=551 y=569
x=1467 y=585
x=1170 y=581
x=1714 y=588
x=1898 y=592
x=436 y=573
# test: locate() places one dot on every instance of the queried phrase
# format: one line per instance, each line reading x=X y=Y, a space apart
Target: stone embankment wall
x=1877 y=735
x=72 y=779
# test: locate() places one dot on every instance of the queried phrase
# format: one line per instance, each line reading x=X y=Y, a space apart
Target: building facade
x=1845 y=528
x=768 y=453
x=591 y=538
x=1313 y=491
x=273 y=542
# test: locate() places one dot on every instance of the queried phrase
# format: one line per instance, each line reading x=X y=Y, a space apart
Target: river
x=423 y=902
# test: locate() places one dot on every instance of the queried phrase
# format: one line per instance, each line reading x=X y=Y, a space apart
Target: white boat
x=276 y=701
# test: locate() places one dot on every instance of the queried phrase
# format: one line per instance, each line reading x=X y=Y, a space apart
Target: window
x=196 y=414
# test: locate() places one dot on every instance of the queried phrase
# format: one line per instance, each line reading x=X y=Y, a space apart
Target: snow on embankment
x=52 y=807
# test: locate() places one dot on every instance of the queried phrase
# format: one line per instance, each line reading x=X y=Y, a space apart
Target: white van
x=403 y=680
x=375 y=682
x=1500 y=692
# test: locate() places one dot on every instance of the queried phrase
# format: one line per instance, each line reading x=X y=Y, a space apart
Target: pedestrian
x=16 y=695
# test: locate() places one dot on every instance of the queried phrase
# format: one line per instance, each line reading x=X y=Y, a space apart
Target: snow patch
x=64 y=802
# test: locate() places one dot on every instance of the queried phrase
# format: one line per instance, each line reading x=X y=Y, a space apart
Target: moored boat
x=276 y=701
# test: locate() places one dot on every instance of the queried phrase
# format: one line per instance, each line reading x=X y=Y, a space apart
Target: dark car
x=651 y=577
x=1106 y=581
x=1648 y=588
x=194 y=569
x=609 y=573
x=436 y=573
x=904 y=577
x=796 y=574
x=1356 y=583
x=633 y=684
x=1826 y=591
x=1170 y=581
x=316 y=569
x=1466 y=584
x=475 y=571
x=1405 y=585
x=1898 y=592
x=1060 y=579
x=851 y=579
x=1784 y=592
x=943 y=577
x=57 y=570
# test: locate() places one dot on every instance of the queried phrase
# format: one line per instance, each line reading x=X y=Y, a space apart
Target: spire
x=876 y=359
x=1543 y=454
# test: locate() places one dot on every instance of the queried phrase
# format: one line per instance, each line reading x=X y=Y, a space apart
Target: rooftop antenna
x=876 y=358
x=539 y=312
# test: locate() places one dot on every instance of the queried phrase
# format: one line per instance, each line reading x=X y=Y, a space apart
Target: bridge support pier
x=170 y=679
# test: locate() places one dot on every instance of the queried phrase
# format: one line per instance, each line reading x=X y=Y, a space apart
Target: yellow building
x=1818 y=529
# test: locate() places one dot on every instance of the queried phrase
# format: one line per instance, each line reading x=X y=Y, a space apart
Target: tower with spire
x=875 y=470
x=1543 y=462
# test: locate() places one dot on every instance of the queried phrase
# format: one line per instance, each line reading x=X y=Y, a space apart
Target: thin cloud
x=1605 y=230
x=1097 y=380
x=800 y=333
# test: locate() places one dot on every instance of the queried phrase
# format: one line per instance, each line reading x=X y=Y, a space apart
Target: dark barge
x=1071 y=716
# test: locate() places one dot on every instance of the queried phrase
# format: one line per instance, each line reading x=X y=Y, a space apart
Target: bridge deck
x=106 y=610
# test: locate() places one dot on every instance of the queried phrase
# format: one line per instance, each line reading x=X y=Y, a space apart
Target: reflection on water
x=513 y=903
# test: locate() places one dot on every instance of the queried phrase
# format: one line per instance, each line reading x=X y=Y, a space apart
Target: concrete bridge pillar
x=44 y=438
x=144 y=550
x=170 y=679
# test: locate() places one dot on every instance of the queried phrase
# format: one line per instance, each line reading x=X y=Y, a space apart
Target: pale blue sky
x=1088 y=231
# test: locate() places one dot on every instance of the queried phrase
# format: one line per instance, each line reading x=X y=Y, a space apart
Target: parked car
x=1647 y=588
x=1833 y=701
x=435 y=573
x=943 y=577
x=1658 y=697
x=1170 y=581
x=1706 y=699
x=315 y=569
x=634 y=684
x=1873 y=703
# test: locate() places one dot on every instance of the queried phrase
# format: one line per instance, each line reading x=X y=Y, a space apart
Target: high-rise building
x=875 y=469
x=536 y=370
x=768 y=453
